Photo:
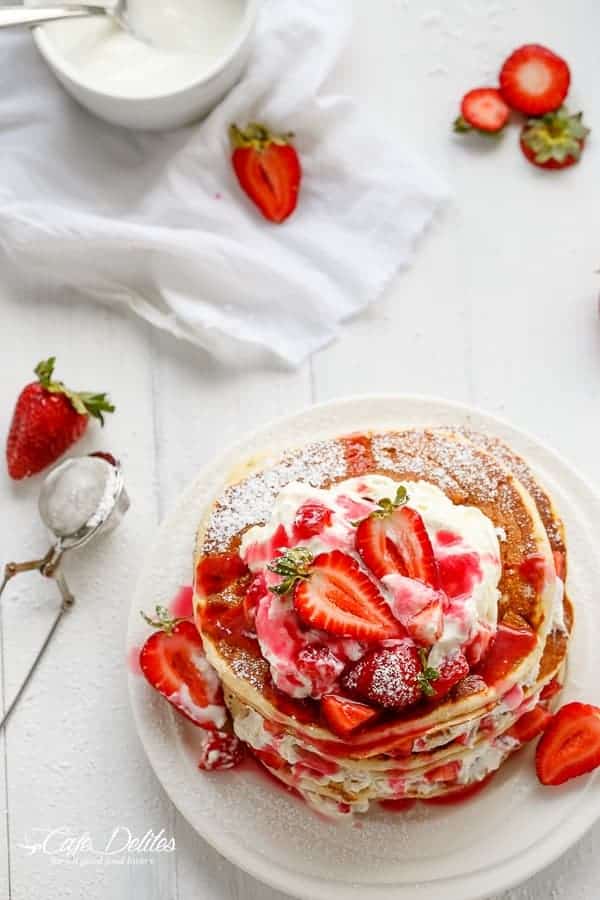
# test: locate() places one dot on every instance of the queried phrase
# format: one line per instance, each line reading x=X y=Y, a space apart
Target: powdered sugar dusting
x=250 y=501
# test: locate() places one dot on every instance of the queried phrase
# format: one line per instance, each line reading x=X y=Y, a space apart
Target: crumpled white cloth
x=158 y=223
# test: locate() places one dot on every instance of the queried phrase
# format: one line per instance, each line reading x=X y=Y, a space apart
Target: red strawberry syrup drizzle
x=181 y=606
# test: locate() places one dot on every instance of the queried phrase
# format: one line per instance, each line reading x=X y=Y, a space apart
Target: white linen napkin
x=158 y=223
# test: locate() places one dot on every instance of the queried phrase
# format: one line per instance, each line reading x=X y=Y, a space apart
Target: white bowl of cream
x=193 y=52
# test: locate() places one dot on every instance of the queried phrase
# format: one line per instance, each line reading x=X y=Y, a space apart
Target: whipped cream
x=459 y=535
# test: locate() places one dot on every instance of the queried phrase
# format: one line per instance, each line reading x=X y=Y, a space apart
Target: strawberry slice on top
x=534 y=80
x=173 y=662
x=394 y=540
x=482 y=109
x=332 y=593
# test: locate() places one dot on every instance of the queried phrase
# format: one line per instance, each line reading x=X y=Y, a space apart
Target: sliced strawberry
x=216 y=572
x=555 y=141
x=530 y=725
x=311 y=519
x=173 y=661
x=268 y=169
x=221 y=750
x=570 y=745
x=551 y=689
x=377 y=550
x=398 y=543
x=345 y=716
x=482 y=109
x=426 y=627
x=452 y=670
x=534 y=80
x=393 y=677
x=333 y=594
x=444 y=773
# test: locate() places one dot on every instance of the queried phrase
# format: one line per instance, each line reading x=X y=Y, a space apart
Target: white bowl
x=157 y=111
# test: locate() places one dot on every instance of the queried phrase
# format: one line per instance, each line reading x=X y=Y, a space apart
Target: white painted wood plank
x=201 y=408
x=74 y=760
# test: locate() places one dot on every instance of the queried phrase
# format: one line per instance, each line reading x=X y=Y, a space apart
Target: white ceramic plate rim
x=471 y=886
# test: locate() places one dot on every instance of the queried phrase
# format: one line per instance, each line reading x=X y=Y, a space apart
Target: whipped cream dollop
x=465 y=544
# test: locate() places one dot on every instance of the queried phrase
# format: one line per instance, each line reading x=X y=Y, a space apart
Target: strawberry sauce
x=507 y=650
x=181 y=606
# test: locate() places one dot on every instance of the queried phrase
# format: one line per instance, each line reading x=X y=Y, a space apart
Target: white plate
x=509 y=832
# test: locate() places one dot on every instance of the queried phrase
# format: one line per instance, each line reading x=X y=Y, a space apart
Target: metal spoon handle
x=20 y=15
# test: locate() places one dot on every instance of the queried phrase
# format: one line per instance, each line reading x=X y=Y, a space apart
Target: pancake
x=472 y=471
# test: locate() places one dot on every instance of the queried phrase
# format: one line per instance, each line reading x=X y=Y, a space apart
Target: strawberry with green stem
x=49 y=418
x=268 y=169
x=555 y=140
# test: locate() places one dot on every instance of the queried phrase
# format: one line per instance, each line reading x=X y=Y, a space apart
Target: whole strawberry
x=47 y=420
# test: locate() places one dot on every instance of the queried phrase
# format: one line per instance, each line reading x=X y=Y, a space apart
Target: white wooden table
x=499 y=310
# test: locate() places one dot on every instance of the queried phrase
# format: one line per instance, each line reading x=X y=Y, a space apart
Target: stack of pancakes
x=430 y=749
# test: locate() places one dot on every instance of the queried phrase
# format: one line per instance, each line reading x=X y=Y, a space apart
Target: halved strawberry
x=173 y=662
x=395 y=541
x=268 y=169
x=333 y=594
x=482 y=109
x=530 y=725
x=570 y=745
x=554 y=141
x=377 y=550
x=345 y=716
x=452 y=670
x=393 y=677
x=534 y=80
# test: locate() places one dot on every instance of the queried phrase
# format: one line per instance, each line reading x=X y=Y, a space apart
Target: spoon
x=79 y=499
x=23 y=15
